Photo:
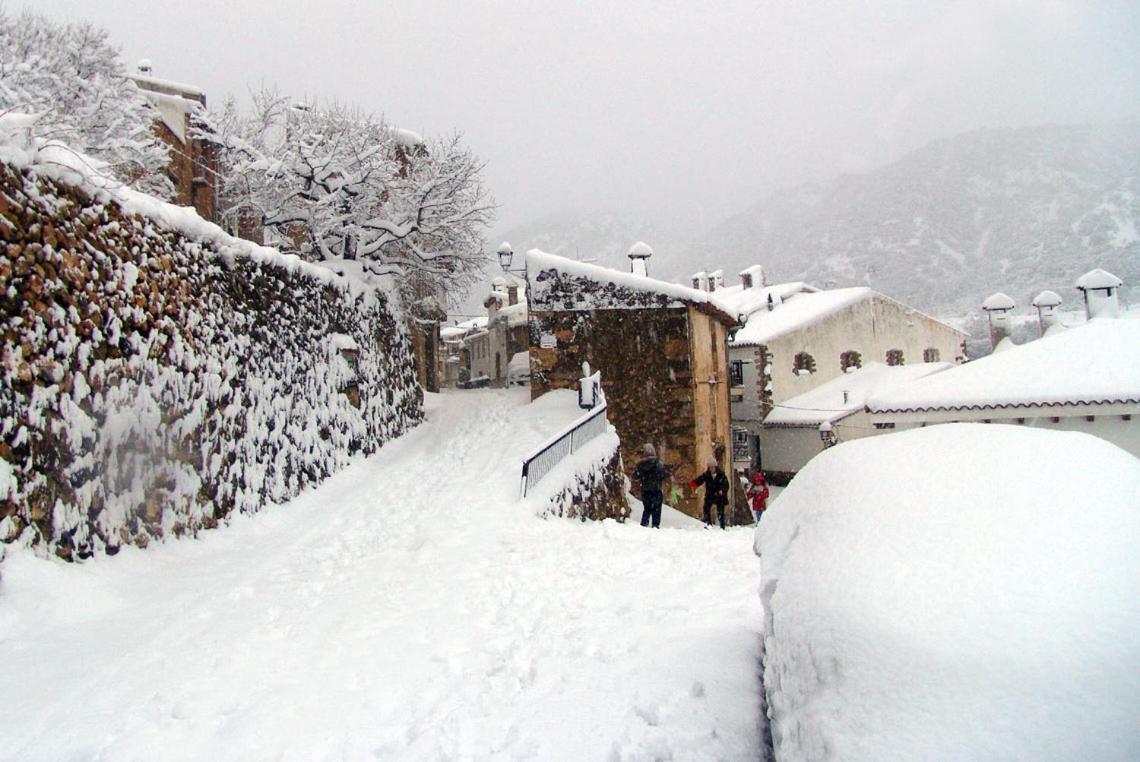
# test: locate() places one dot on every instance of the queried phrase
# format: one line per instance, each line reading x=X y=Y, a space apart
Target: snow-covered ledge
x=588 y=484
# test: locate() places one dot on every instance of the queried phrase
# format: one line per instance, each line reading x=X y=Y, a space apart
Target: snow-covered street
x=408 y=608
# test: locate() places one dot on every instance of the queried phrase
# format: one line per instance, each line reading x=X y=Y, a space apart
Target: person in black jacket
x=716 y=490
x=650 y=472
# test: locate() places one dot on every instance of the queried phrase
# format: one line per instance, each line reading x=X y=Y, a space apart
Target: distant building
x=479 y=352
x=1084 y=378
x=193 y=164
x=661 y=349
x=797 y=338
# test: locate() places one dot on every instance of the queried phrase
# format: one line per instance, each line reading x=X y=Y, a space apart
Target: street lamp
x=506 y=254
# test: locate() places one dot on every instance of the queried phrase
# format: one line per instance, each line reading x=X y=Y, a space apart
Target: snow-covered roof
x=407 y=138
x=998 y=301
x=826 y=402
x=1095 y=363
x=745 y=301
x=516 y=314
x=803 y=309
x=1098 y=278
x=1046 y=299
x=168 y=86
x=539 y=262
x=640 y=249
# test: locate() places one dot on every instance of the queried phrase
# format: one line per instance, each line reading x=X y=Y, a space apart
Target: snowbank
x=956 y=592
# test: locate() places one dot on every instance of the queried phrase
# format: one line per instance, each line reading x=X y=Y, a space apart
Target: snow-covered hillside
x=1016 y=210
x=408 y=608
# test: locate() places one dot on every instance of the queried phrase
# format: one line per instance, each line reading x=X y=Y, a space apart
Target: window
x=930 y=355
x=850 y=361
x=736 y=373
x=804 y=364
x=895 y=357
x=741 y=453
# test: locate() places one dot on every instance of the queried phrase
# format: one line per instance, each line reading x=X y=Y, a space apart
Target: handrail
x=569 y=440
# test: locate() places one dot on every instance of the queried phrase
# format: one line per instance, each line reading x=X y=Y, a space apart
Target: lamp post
x=506 y=254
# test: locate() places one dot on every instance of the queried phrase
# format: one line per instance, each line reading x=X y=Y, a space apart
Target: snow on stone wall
x=589 y=484
x=154 y=380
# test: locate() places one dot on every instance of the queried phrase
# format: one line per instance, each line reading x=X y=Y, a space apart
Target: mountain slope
x=1015 y=210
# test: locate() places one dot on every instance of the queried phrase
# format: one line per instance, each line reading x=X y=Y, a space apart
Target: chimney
x=700 y=280
x=716 y=280
x=512 y=294
x=639 y=255
x=145 y=67
x=999 y=307
x=1099 y=289
x=1046 y=303
x=752 y=277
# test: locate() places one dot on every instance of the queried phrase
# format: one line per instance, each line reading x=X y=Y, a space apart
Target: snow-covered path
x=409 y=608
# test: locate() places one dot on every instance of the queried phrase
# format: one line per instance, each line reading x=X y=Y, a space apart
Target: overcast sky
x=685 y=112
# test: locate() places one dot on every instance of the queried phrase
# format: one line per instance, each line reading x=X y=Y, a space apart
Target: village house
x=491 y=350
x=797 y=339
x=661 y=349
x=193 y=166
x=1083 y=378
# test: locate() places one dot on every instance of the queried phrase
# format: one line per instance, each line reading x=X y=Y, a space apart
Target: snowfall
x=958 y=592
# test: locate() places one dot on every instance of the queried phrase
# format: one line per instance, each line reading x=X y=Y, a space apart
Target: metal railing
x=571 y=440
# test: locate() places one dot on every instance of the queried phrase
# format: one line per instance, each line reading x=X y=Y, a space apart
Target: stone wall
x=154 y=382
x=598 y=492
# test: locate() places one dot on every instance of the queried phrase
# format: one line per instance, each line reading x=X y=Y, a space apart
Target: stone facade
x=663 y=365
x=154 y=383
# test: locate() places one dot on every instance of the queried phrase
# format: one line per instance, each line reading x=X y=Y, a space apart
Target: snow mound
x=957 y=592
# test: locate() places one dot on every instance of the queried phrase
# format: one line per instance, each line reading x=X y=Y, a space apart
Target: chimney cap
x=1046 y=299
x=1098 y=278
x=997 y=302
x=640 y=250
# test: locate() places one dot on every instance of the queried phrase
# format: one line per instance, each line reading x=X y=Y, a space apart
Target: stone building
x=797 y=338
x=193 y=164
x=661 y=349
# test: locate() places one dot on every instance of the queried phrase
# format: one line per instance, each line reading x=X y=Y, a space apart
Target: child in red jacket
x=758 y=492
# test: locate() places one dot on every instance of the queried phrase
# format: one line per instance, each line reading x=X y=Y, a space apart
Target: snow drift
x=956 y=592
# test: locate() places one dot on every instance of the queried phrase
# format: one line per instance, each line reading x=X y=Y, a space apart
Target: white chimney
x=716 y=280
x=1046 y=303
x=752 y=277
x=639 y=255
x=700 y=280
x=1100 y=292
x=999 y=308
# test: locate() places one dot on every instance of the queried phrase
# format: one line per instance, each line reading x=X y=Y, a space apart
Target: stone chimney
x=512 y=293
x=700 y=280
x=752 y=277
x=1099 y=289
x=494 y=302
x=999 y=307
x=639 y=255
x=1046 y=303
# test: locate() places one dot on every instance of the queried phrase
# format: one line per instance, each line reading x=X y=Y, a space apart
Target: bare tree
x=333 y=183
x=71 y=76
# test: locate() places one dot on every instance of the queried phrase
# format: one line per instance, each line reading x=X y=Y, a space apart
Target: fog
x=672 y=111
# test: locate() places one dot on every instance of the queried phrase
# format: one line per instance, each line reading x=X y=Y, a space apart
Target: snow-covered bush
x=158 y=374
x=958 y=592
x=332 y=183
x=72 y=78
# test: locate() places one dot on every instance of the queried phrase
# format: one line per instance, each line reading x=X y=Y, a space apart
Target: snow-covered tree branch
x=333 y=183
x=71 y=76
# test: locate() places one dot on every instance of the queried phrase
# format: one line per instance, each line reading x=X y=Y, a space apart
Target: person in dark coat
x=716 y=490
x=650 y=473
